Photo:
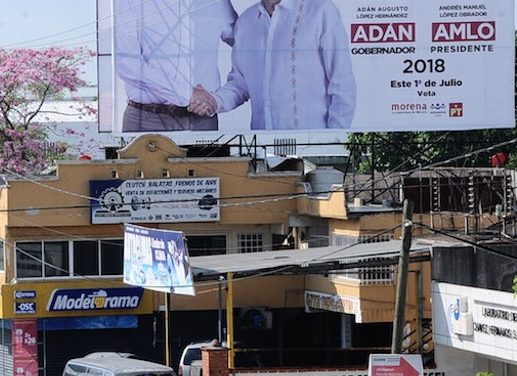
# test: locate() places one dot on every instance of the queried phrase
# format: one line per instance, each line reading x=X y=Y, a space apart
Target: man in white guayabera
x=291 y=59
x=163 y=47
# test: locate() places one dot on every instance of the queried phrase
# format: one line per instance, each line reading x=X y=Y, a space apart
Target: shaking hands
x=202 y=103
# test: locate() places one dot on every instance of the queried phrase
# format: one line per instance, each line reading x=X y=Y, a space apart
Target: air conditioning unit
x=256 y=318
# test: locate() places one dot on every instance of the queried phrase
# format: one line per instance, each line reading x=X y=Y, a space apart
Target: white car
x=114 y=364
x=190 y=354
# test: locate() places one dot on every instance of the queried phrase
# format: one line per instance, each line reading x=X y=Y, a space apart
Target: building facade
x=61 y=279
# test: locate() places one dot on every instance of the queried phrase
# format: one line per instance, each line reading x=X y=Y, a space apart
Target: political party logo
x=409 y=108
x=455 y=109
x=463 y=31
x=383 y=32
x=94 y=299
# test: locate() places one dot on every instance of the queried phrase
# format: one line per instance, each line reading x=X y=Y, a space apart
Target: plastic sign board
x=67 y=300
x=25 y=347
x=155 y=200
x=157 y=260
x=333 y=65
x=395 y=364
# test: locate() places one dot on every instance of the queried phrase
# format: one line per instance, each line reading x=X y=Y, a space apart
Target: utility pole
x=402 y=277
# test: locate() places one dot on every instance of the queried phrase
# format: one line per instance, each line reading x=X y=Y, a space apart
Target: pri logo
x=383 y=32
x=463 y=31
x=455 y=109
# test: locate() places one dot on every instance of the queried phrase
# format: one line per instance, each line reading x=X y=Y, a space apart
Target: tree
x=28 y=79
x=402 y=151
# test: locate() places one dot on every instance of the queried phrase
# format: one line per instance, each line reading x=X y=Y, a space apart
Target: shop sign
x=331 y=302
x=94 y=299
x=25 y=307
x=25 y=294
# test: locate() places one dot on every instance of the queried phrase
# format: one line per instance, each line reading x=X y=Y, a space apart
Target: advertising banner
x=157 y=260
x=334 y=65
x=155 y=200
x=395 y=364
x=25 y=347
x=475 y=320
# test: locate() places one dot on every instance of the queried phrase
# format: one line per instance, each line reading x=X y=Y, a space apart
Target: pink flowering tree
x=28 y=79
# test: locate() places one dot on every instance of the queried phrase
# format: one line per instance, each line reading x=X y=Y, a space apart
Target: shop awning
x=306 y=261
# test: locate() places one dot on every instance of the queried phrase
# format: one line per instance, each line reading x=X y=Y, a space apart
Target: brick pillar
x=215 y=361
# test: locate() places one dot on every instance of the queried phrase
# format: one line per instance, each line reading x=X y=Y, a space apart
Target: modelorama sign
x=433 y=65
x=94 y=299
x=155 y=200
x=477 y=320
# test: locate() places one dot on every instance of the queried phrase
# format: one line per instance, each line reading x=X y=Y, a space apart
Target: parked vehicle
x=114 y=364
x=190 y=354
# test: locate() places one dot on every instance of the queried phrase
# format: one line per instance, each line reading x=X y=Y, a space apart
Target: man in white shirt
x=291 y=59
x=162 y=48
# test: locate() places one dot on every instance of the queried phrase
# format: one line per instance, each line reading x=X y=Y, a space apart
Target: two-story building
x=62 y=293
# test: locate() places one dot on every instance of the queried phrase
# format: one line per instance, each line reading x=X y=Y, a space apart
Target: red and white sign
x=395 y=365
x=25 y=347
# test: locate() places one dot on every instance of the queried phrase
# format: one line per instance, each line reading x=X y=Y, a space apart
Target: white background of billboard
x=487 y=91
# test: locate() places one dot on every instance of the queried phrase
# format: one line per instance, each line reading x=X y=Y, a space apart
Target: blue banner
x=157 y=260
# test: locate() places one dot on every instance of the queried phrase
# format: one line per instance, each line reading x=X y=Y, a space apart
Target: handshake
x=202 y=103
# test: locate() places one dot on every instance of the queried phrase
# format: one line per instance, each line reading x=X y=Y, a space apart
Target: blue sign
x=94 y=299
x=157 y=260
x=25 y=307
x=25 y=294
x=84 y=323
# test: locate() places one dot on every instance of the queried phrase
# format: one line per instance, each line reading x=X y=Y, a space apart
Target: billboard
x=157 y=260
x=329 y=65
x=154 y=200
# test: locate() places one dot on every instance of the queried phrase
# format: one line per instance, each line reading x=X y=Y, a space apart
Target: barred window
x=250 y=243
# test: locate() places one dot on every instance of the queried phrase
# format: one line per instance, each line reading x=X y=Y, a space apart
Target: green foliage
x=484 y=373
x=402 y=151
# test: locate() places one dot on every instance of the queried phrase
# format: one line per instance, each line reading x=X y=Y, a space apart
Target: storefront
x=45 y=324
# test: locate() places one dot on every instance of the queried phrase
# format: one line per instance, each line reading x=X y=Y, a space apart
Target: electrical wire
x=466 y=241
x=279 y=270
x=108 y=38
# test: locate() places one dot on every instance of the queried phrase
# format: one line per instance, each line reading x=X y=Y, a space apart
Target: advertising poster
x=25 y=347
x=328 y=65
x=395 y=364
x=157 y=260
x=155 y=200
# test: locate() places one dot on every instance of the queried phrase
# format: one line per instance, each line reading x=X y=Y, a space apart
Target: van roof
x=119 y=362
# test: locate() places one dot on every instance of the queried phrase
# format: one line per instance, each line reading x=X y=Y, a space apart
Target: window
x=56 y=259
x=29 y=260
x=112 y=255
x=250 y=243
x=2 y=267
x=206 y=245
x=86 y=257
x=50 y=259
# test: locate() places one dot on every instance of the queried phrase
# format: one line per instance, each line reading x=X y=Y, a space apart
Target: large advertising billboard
x=157 y=260
x=312 y=65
